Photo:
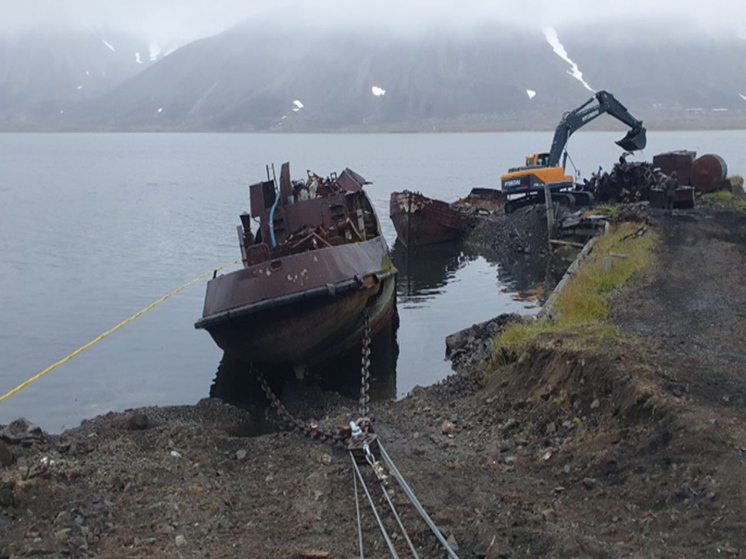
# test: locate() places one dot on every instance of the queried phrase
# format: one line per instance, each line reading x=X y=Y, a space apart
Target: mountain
x=44 y=74
x=258 y=77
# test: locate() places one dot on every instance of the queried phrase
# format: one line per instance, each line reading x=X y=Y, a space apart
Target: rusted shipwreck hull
x=420 y=220
x=317 y=261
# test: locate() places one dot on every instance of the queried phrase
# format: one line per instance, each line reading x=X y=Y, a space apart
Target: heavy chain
x=365 y=368
x=310 y=429
x=313 y=429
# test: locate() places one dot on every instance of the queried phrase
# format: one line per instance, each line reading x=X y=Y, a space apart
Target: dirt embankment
x=629 y=447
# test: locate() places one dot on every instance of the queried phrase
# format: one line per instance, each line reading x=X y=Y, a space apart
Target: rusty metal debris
x=632 y=182
x=679 y=162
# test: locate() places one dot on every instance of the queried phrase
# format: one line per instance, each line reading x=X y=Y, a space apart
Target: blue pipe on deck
x=272 y=220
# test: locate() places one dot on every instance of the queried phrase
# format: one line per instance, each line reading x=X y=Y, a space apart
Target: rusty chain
x=365 y=368
x=312 y=429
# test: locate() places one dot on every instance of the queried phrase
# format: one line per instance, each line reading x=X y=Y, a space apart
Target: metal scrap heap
x=626 y=183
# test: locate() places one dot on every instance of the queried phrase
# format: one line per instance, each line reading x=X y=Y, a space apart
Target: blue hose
x=272 y=220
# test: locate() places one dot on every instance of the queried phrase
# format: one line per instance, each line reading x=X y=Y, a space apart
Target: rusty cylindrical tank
x=708 y=172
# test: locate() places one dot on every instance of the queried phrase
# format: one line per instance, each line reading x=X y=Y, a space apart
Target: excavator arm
x=602 y=102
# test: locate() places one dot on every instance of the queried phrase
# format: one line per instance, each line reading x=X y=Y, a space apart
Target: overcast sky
x=191 y=19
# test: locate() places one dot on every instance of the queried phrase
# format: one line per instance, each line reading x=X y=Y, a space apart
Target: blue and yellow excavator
x=525 y=185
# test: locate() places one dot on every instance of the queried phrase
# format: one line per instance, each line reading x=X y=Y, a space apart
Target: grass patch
x=732 y=199
x=583 y=304
x=612 y=211
x=736 y=183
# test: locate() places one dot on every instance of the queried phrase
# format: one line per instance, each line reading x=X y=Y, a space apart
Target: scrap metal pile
x=628 y=182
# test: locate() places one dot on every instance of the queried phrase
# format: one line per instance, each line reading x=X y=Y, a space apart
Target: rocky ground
x=633 y=447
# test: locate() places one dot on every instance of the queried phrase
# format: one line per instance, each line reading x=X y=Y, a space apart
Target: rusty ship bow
x=420 y=220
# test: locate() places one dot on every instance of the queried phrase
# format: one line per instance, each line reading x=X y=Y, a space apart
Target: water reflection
x=529 y=278
x=424 y=271
x=440 y=290
x=236 y=384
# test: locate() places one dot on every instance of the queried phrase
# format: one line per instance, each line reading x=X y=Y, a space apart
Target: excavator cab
x=636 y=139
x=537 y=160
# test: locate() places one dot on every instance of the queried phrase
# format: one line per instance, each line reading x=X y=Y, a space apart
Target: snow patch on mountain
x=378 y=91
x=531 y=93
x=551 y=35
x=154 y=50
x=109 y=46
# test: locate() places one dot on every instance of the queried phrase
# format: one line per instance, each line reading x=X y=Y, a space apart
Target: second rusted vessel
x=420 y=220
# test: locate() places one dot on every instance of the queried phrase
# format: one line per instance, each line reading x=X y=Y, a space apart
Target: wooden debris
x=310 y=554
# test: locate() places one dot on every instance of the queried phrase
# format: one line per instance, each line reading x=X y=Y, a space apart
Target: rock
x=175 y=454
x=180 y=541
x=6 y=455
x=551 y=428
x=6 y=496
x=447 y=428
x=452 y=542
x=510 y=459
x=547 y=514
x=62 y=536
x=137 y=421
x=505 y=446
x=62 y=519
x=510 y=424
x=22 y=431
x=454 y=418
x=595 y=404
x=590 y=483
x=547 y=455
x=326 y=459
x=240 y=454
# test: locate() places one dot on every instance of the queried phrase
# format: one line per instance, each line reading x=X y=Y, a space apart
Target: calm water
x=95 y=227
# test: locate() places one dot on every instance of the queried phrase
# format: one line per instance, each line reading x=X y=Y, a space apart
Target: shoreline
x=577 y=445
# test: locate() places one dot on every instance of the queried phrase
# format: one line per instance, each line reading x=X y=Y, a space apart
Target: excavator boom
x=602 y=102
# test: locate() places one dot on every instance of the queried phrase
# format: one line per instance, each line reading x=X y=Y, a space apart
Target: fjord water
x=94 y=227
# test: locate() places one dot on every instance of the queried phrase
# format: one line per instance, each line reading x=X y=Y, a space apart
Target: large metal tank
x=679 y=161
x=708 y=173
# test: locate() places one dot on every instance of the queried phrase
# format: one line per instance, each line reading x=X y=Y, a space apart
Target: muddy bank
x=620 y=448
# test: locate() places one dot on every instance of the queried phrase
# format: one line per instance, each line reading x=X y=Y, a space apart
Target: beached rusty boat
x=420 y=220
x=316 y=261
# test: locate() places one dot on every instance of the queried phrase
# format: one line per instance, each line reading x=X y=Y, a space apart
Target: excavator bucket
x=636 y=139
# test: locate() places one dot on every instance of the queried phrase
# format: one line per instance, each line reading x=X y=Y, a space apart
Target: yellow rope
x=114 y=329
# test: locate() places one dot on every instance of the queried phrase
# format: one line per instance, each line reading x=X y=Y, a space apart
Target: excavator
x=526 y=185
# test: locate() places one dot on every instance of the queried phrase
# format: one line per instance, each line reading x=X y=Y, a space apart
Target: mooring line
x=117 y=327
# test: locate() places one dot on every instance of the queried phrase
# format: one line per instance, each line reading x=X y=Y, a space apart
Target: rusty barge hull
x=313 y=305
x=420 y=220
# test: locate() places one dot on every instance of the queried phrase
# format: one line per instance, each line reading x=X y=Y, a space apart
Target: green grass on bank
x=583 y=304
x=612 y=211
x=734 y=198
